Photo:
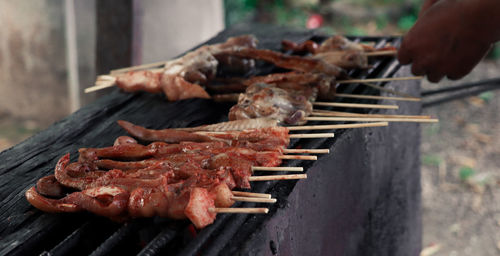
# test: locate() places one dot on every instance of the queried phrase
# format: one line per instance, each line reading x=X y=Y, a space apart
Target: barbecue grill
x=361 y=199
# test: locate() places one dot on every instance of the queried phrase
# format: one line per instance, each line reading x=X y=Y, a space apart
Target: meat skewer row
x=196 y=204
x=248 y=135
x=194 y=198
x=288 y=106
x=324 y=85
x=206 y=155
x=182 y=78
x=335 y=43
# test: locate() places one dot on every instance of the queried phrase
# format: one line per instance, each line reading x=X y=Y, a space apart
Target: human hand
x=443 y=41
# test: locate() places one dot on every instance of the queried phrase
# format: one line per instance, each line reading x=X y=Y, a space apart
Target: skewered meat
x=49 y=186
x=181 y=78
x=323 y=84
x=331 y=44
x=236 y=125
x=122 y=197
x=349 y=59
x=118 y=204
x=297 y=63
x=167 y=135
x=264 y=100
x=255 y=139
x=337 y=50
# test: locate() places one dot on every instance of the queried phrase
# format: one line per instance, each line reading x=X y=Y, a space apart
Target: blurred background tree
x=352 y=17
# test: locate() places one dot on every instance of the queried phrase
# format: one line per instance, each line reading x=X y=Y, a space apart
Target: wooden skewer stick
x=238 y=210
x=278 y=168
x=336 y=126
x=254 y=199
x=319 y=112
x=381 y=53
x=99 y=86
x=311 y=135
x=278 y=177
x=138 y=67
x=369 y=119
x=369 y=80
x=354 y=105
x=358 y=96
x=296 y=136
x=299 y=157
x=250 y=194
x=306 y=151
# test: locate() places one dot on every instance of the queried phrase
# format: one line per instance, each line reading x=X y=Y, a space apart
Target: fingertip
x=455 y=76
x=417 y=70
x=435 y=77
x=404 y=56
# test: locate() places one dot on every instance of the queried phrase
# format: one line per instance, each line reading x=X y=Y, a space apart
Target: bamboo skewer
x=381 y=53
x=368 y=119
x=306 y=151
x=99 y=87
x=388 y=79
x=278 y=177
x=359 y=96
x=311 y=135
x=354 y=105
x=238 y=210
x=138 y=67
x=250 y=194
x=299 y=157
x=254 y=199
x=319 y=112
x=292 y=136
x=278 y=168
x=336 y=126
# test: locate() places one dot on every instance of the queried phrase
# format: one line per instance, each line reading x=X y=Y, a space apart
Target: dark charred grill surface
x=361 y=199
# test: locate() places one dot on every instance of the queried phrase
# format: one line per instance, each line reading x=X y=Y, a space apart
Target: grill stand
x=362 y=199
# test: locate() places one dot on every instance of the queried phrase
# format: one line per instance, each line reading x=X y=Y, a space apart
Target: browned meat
x=182 y=78
x=124 y=140
x=167 y=135
x=297 y=63
x=264 y=100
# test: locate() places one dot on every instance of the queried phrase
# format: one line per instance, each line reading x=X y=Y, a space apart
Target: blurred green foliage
x=432 y=160
x=487 y=96
x=465 y=173
x=238 y=11
x=296 y=12
x=406 y=22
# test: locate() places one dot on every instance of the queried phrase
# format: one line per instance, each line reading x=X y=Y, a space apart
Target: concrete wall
x=168 y=28
x=33 y=72
x=32 y=60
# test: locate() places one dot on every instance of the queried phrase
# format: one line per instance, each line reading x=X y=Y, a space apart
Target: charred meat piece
x=264 y=100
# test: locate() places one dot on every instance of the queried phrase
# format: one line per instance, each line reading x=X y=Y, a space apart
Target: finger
x=404 y=56
x=435 y=77
x=418 y=69
x=426 y=5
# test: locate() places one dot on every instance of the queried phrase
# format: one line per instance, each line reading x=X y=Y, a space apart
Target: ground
x=460 y=170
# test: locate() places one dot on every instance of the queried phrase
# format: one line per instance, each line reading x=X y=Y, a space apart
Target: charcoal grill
x=361 y=199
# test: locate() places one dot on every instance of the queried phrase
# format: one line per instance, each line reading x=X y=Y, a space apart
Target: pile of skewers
x=180 y=175
x=191 y=173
